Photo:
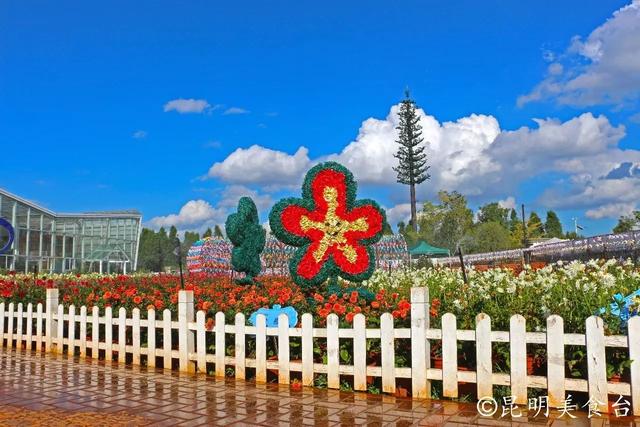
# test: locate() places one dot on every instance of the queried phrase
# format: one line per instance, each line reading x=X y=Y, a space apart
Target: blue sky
x=155 y=105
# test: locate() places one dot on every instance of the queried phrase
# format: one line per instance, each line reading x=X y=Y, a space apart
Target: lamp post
x=178 y=253
x=464 y=271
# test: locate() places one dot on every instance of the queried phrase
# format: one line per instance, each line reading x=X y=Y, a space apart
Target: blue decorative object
x=7 y=226
x=271 y=314
x=620 y=306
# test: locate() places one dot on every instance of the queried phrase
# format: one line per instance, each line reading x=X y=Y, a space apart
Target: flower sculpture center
x=332 y=230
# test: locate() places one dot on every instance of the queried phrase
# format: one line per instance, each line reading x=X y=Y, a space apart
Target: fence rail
x=76 y=331
x=605 y=246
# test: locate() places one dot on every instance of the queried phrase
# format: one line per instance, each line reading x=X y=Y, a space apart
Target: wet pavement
x=53 y=390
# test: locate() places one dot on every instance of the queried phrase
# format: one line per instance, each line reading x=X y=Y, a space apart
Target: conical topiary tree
x=248 y=237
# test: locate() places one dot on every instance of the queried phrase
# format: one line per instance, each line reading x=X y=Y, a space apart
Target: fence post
x=201 y=341
x=240 y=353
x=284 y=376
x=51 y=325
x=555 y=361
x=261 y=349
x=518 y=358
x=420 y=347
x=186 y=342
x=221 y=346
x=596 y=362
x=449 y=355
x=634 y=356
x=307 y=349
x=484 y=366
x=333 y=352
x=359 y=352
x=1 y=324
x=388 y=355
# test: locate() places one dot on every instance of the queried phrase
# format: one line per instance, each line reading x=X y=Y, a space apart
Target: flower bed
x=574 y=291
x=211 y=294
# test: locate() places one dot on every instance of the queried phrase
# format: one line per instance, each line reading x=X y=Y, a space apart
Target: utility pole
x=525 y=241
x=576 y=226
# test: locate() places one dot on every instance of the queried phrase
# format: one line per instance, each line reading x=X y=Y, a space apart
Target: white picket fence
x=43 y=329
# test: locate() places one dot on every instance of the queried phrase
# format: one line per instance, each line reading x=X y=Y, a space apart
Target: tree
x=173 y=233
x=552 y=226
x=517 y=234
x=535 y=228
x=412 y=168
x=493 y=212
x=248 y=238
x=386 y=229
x=217 y=231
x=445 y=224
x=207 y=233
x=513 y=220
x=401 y=227
x=190 y=237
x=489 y=236
x=148 y=254
x=627 y=222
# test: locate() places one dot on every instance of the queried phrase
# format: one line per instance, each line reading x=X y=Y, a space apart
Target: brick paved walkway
x=51 y=390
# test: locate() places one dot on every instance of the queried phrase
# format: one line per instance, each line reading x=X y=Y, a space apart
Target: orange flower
x=375 y=304
x=206 y=305
x=349 y=317
x=210 y=323
x=137 y=299
x=318 y=297
x=107 y=295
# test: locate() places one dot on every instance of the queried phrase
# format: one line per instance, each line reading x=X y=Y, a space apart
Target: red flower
x=349 y=317
x=137 y=299
x=210 y=323
x=332 y=230
x=375 y=304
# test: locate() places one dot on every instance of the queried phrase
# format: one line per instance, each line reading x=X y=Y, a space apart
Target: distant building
x=105 y=242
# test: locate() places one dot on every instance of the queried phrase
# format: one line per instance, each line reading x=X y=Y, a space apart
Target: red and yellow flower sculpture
x=332 y=230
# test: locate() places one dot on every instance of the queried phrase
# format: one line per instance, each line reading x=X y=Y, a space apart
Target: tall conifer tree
x=412 y=161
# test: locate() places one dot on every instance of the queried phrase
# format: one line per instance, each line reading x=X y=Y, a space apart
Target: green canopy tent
x=425 y=249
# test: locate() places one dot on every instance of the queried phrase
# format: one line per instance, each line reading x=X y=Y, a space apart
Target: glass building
x=105 y=242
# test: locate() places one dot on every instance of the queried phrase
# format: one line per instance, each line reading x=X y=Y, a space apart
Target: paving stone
x=53 y=390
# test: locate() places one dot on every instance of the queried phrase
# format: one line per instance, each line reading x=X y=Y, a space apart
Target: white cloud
x=194 y=214
x=139 y=134
x=601 y=197
x=614 y=210
x=508 y=203
x=186 y=106
x=472 y=155
x=259 y=165
x=235 y=110
x=233 y=193
x=603 y=69
x=401 y=212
